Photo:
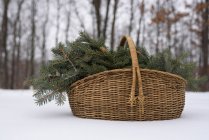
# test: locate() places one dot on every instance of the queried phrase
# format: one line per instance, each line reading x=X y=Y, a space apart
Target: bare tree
x=27 y=61
x=131 y=16
x=190 y=22
x=44 y=33
x=68 y=14
x=17 y=76
x=141 y=9
x=157 y=29
x=113 y=24
x=97 y=5
x=33 y=36
x=14 y=49
x=58 y=21
x=3 y=46
x=168 y=23
x=106 y=19
x=78 y=16
x=94 y=28
x=17 y=51
x=205 y=42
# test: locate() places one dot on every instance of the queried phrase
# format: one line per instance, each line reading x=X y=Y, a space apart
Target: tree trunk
x=93 y=21
x=131 y=16
x=14 y=49
x=27 y=63
x=68 y=20
x=97 y=5
x=143 y=32
x=168 y=35
x=58 y=23
x=3 y=46
x=205 y=44
x=158 y=29
x=18 y=83
x=79 y=17
x=140 y=21
x=44 y=30
x=33 y=35
x=168 y=26
x=138 y=32
x=113 y=25
x=158 y=34
x=106 y=19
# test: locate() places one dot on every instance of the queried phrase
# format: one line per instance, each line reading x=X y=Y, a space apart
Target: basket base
x=125 y=119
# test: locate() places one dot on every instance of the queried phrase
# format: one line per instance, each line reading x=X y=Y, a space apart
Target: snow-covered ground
x=21 y=119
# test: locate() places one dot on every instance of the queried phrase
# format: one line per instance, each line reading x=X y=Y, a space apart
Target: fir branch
x=66 y=57
x=60 y=98
x=48 y=97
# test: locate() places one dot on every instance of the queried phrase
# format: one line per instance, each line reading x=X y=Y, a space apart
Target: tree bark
x=18 y=83
x=68 y=20
x=92 y=12
x=140 y=21
x=44 y=32
x=138 y=32
x=58 y=23
x=158 y=29
x=168 y=35
x=97 y=5
x=3 y=46
x=14 y=49
x=131 y=16
x=78 y=16
x=33 y=36
x=205 y=44
x=106 y=19
x=168 y=26
x=113 y=25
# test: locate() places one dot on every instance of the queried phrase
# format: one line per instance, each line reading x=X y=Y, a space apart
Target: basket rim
x=124 y=70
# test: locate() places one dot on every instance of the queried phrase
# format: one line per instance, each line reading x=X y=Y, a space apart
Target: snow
x=21 y=119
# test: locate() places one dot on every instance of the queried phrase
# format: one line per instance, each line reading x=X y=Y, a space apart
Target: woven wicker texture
x=128 y=94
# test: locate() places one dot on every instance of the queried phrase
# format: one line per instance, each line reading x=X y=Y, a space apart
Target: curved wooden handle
x=136 y=73
x=132 y=48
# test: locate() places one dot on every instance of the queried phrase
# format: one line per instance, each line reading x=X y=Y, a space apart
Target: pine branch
x=66 y=57
x=48 y=97
x=60 y=98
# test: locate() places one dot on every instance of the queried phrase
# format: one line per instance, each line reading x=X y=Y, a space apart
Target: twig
x=65 y=56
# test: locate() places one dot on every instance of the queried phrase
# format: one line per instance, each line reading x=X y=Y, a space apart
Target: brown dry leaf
x=201 y=6
x=178 y=16
x=103 y=49
x=160 y=16
x=198 y=32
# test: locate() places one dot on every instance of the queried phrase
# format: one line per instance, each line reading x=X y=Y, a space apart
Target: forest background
x=30 y=28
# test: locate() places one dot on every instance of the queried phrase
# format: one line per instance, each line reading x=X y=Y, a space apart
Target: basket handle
x=136 y=73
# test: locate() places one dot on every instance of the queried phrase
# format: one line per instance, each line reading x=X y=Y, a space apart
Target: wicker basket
x=128 y=94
